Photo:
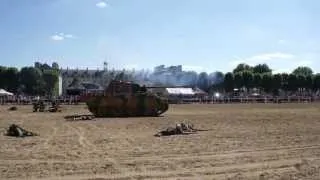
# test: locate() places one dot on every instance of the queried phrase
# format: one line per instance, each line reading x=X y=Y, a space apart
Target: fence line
x=29 y=100
x=249 y=100
x=288 y=99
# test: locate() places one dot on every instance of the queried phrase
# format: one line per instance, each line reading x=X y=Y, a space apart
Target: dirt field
x=276 y=141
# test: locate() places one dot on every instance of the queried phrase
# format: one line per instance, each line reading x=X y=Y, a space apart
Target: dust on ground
x=248 y=141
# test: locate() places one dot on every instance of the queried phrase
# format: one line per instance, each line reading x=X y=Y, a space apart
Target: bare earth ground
x=258 y=141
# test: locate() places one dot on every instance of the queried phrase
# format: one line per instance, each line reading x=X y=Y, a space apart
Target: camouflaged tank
x=126 y=99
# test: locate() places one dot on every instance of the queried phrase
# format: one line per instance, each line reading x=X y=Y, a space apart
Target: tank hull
x=127 y=106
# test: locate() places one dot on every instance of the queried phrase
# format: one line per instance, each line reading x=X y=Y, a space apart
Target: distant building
x=77 y=88
x=84 y=75
x=92 y=88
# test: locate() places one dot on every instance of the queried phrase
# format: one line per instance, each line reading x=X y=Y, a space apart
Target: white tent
x=5 y=93
x=180 y=91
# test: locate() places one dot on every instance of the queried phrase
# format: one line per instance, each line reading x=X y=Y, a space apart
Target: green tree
x=292 y=82
x=3 y=71
x=257 y=80
x=45 y=66
x=216 y=78
x=12 y=79
x=228 y=82
x=276 y=81
x=302 y=70
x=316 y=82
x=261 y=69
x=37 y=65
x=238 y=80
x=31 y=79
x=284 y=81
x=247 y=77
x=51 y=78
x=55 y=65
x=301 y=81
x=309 y=82
x=267 y=83
x=242 y=67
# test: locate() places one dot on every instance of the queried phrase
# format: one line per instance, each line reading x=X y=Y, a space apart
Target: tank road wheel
x=107 y=112
x=100 y=111
x=123 y=111
x=141 y=106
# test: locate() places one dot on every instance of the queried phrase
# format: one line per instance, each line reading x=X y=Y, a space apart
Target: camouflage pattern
x=17 y=131
x=169 y=131
x=39 y=106
x=133 y=101
x=135 y=105
x=180 y=129
x=55 y=107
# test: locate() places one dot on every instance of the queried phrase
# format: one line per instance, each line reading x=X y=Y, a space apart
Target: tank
x=126 y=99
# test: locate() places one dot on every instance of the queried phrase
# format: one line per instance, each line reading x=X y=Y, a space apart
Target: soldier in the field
x=181 y=128
x=54 y=106
x=15 y=130
x=187 y=127
x=42 y=106
x=35 y=107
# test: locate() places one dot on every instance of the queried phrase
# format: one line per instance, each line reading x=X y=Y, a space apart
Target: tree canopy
x=303 y=70
x=42 y=79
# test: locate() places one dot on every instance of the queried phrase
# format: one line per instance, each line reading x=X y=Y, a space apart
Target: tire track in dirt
x=246 y=169
x=94 y=126
x=84 y=142
x=265 y=156
x=226 y=165
x=171 y=157
x=50 y=138
x=225 y=153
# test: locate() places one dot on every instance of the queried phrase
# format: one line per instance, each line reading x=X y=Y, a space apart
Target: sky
x=201 y=35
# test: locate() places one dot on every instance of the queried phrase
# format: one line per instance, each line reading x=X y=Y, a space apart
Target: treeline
x=261 y=77
x=41 y=79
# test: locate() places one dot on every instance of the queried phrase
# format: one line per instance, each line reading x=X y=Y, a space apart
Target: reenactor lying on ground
x=180 y=129
x=79 y=117
x=15 y=130
x=13 y=108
